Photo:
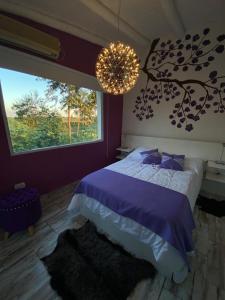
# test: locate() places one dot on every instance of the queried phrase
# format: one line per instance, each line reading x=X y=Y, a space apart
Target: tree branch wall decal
x=193 y=53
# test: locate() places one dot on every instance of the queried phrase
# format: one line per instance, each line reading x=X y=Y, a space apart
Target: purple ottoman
x=20 y=210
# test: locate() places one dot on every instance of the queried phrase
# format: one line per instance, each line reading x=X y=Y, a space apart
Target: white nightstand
x=124 y=151
x=214 y=181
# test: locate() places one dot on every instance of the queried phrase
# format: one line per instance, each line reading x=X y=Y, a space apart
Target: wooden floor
x=23 y=276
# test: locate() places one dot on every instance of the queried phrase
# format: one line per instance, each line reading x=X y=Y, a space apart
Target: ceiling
x=140 y=20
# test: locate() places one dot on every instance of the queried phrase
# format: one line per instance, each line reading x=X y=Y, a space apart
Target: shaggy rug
x=87 y=266
x=211 y=206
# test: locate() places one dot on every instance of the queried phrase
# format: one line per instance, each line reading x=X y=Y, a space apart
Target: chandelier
x=117 y=68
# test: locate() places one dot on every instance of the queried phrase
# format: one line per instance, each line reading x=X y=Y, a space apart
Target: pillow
x=135 y=155
x=148 y=152
x=194 y=164
x=172 y=161
x=152 y=159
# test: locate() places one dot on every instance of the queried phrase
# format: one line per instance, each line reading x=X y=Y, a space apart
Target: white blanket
x=187 y=182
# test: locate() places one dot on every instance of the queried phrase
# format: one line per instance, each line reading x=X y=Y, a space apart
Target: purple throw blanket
x=163 y=211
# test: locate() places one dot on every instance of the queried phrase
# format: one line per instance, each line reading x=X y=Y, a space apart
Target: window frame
x=21 y=62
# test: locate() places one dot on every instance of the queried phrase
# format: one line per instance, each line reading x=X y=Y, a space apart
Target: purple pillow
x=172 y=161
x=152 y=159
x=148 y=152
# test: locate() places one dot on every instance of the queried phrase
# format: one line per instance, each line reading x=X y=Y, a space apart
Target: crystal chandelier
x=117 y=67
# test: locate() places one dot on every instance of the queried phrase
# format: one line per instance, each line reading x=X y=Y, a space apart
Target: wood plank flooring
x=23 y=276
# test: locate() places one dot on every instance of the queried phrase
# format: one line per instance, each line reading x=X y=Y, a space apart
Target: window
x=42 y=112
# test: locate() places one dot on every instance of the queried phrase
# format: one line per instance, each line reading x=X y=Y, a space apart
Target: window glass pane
x=42 y=113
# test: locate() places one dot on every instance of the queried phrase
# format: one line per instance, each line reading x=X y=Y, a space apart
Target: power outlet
x=20 y=185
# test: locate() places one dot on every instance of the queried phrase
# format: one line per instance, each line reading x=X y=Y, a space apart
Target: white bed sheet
x=132 y=236
x=187 y=182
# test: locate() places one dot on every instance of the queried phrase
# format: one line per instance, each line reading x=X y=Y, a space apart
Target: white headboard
x=204 y=150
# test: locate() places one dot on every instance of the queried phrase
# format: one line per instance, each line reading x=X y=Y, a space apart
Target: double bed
x=122 y=222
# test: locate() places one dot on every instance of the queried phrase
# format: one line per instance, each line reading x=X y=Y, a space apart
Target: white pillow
x=194 y=164
x=136 y=153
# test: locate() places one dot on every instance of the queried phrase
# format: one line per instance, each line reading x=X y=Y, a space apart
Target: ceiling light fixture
x=117 y=67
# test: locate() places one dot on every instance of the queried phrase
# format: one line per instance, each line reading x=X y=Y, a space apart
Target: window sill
x=54 y=147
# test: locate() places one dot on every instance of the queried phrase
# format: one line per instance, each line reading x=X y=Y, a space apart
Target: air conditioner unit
x=26 y=37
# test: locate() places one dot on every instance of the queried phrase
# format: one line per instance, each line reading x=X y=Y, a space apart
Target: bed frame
x=204 y=150
x=201 y=149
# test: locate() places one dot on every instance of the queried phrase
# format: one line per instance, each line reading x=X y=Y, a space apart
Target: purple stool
x=20 y=210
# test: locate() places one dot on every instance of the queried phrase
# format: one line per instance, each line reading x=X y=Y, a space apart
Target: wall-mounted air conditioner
x=26 y=37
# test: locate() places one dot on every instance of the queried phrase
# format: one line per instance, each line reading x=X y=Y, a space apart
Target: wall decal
x=193 y=96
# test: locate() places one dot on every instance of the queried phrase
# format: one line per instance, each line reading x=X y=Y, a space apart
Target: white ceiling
x=140 y=20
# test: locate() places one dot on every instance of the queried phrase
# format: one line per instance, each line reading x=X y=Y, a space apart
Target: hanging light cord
x=118 y=18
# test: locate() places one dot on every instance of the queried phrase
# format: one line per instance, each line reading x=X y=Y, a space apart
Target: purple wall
x=50 y=169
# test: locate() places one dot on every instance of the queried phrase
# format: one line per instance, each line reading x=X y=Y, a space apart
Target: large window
x=42 y=112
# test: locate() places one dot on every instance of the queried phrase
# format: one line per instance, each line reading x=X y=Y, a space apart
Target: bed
x=127 y=231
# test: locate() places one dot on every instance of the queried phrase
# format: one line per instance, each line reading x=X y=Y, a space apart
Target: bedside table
x=214 y=181
x=124 y=151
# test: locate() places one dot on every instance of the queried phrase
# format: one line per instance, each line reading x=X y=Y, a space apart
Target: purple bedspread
x=163 y=211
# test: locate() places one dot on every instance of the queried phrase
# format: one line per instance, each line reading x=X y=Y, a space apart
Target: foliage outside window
x=46 y=113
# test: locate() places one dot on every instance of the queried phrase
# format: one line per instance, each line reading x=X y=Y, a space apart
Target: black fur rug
x=86 y=266
x=211 y=206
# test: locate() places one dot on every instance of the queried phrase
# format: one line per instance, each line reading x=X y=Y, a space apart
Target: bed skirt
x=135 y=238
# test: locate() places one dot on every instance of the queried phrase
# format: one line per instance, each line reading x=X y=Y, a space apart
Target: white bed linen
x=132 y=236
x=187 y=182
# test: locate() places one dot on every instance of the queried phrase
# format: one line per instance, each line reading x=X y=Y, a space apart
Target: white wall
x=211 y=127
